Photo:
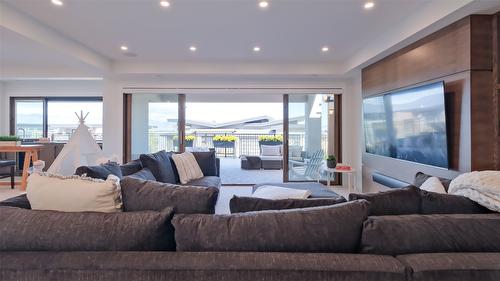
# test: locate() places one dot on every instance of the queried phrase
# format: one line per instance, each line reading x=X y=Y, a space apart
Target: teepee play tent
x=81 y=150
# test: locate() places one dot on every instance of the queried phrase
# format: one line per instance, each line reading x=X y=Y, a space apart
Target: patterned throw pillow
x=187 y=167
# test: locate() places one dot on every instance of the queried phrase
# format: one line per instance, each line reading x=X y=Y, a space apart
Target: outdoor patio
x=231 y=173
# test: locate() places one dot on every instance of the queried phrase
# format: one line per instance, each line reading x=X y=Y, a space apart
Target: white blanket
x=278 y=192
x=482 y=187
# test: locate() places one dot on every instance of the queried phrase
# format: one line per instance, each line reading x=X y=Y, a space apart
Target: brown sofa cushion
x=251 y=204
x=437 y=203
x=139 y=195
x=453 y=266
x=396 y=235
x=34 y=230
x=401 y=201
x=334 y=228
x=197 y=266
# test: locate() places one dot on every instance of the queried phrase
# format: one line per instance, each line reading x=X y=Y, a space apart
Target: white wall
x=352 y=128
x=3 y=130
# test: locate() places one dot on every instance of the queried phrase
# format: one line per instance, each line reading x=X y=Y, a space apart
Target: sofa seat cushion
x=206 y=266
x=327 y=229
x=397 y=235
x=20 y=201
x=140 y=195
x=453 y=266
x=271 y=158
x=208 y=181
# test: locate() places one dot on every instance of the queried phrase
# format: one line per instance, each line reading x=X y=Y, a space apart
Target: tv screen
x=409 y=124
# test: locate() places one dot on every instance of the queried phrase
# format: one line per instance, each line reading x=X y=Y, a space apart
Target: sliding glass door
x=154 y=123
x=310 y=135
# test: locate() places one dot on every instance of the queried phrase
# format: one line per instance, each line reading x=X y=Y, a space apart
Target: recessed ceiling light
x=263 y=4
x=369 y=5
x=165 y=4
x=57 y=2
x=192 y=48
x=124 y=48
x=256 y=49
x=325 y=49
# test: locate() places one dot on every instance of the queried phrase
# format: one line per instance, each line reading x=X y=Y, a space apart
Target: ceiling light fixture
x=165 y=4
x=325 y=49
x=57 y=2
x=256 y=49
x=192 y=48
x=124 y=48
x=369 y=5
x=263 y=4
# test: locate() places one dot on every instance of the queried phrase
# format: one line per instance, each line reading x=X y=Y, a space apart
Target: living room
x=249 y=140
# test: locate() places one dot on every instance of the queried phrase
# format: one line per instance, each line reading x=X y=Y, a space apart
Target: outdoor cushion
x=207 y=181
x=453 y=266
x=33 y=230
x=199 y=266
x=143 y=174
x=139 y=195
x=251 y=204
x=279 y=192
x=270 y=157
x=159 y=164
x=20 y=201
x=396 y=235
x=270 y=150
x=317 y=189
x=401 y=201
x=436 y=203
x=101 y=171
x=333 y=229
x=73 y=194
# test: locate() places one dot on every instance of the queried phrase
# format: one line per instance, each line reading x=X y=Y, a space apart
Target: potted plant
x=188 y=141
x=10 y=140
x=271 y=140
x=224 y=141
x=331 y=161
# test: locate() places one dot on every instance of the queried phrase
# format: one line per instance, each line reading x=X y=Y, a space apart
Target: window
x=55 y=117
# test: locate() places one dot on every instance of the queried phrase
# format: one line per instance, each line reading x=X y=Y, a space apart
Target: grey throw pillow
x=139 y=195
x=396 y=235
x=35 y=230
x=437 y=203
x=328 y=229
x=144 y=174
x=100 y=171
x=251 y=204
x=401 y=201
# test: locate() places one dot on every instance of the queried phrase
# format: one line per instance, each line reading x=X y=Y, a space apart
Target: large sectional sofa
x=168 y=232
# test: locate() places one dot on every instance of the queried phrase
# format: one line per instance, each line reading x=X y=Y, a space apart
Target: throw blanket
x=482 y=187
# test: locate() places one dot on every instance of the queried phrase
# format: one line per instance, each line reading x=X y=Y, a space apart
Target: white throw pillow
x=187 y=167
x=270 y=150
x=278 y=192
x=74 y=193
x=433 y=184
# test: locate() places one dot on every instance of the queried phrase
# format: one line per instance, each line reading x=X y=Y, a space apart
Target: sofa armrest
x=217 y=163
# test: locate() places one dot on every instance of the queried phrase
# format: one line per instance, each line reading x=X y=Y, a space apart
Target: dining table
x=31 y=152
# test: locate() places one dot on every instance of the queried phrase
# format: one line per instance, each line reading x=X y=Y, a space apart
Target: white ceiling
x=289 y=32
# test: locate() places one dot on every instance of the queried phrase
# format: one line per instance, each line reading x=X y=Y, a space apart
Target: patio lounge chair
x=307 y=170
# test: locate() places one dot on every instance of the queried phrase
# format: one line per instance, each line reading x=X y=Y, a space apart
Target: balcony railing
x=246 y=144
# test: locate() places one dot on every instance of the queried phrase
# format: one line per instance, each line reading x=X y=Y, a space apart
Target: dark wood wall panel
x=440 y=54
x=481 y=40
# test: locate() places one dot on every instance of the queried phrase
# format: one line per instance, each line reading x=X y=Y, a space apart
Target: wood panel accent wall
x=465 y=55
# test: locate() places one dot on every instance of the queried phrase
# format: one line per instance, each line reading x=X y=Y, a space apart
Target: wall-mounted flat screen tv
x=409 y=124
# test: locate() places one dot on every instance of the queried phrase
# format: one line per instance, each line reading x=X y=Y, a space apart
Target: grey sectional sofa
x=383 y=238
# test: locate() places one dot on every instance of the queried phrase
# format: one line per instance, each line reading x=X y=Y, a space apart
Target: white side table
x=350 y=176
